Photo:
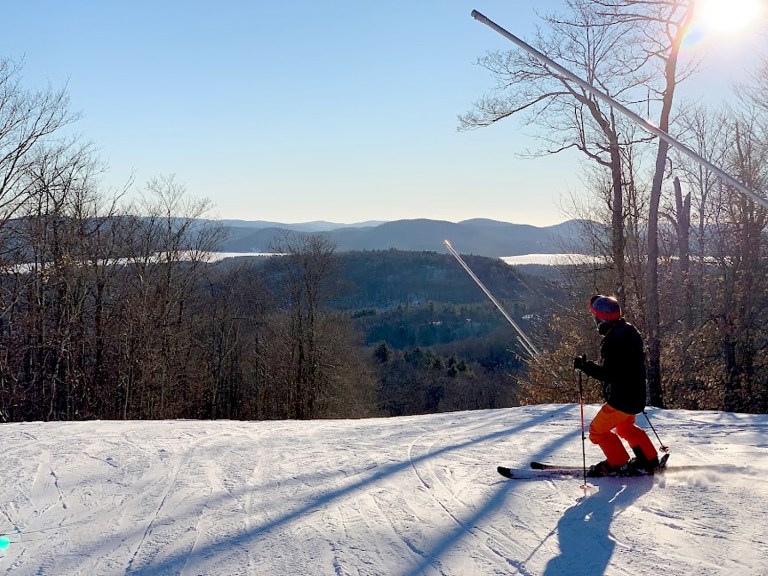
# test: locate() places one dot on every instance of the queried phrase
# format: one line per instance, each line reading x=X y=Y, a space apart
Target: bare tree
x=598 y=48
x=232 y=304
x=165 y=253
x=664 y=25
x=629 y=50
x=742 y=257
x=27 y=119
x=307 y=268
x=49 y=308
x=692 y=212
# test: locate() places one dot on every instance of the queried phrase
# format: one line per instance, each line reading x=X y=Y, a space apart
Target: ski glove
x=579 y=362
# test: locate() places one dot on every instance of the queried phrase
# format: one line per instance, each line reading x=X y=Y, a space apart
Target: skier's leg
x=636 y=438
x=601 y=433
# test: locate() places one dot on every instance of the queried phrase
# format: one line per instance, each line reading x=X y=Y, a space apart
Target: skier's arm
x=593 y=370
x=611 y=366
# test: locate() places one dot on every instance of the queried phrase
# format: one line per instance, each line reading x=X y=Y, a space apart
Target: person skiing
x=622 y=372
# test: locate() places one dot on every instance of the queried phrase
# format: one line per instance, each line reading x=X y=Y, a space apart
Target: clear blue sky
x=297 y=110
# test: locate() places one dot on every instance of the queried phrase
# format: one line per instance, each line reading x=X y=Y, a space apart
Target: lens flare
x=727 y=16
x=4 y=542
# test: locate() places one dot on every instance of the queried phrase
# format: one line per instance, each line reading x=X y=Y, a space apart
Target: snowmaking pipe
x=525 y=342
x=645 y=124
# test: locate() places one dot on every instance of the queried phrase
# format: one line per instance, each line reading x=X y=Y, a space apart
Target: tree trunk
x=685 y=297
x=655 y=389
x=618 y=241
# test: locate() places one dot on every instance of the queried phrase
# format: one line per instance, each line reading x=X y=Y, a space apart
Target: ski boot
x=601 y=469
x=641 y=464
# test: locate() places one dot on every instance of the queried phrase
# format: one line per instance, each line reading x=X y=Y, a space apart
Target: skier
x=622 y=372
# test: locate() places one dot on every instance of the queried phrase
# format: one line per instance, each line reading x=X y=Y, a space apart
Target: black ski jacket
x=622 y=366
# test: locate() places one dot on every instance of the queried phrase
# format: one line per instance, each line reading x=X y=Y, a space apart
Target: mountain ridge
x=480 y=236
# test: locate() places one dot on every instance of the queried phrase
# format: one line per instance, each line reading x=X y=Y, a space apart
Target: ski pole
x=663 y=448
x=583 y=435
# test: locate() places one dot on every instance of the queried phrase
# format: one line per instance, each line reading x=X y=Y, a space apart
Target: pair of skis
x=541 y=470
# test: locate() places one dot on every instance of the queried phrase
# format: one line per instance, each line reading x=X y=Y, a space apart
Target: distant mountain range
x=482 y=237
x=315 y=226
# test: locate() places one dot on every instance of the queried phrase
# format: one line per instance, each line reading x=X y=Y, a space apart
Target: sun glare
x=728 y=16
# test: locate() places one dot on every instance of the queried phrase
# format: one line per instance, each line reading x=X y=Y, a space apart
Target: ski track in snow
x=401 y=496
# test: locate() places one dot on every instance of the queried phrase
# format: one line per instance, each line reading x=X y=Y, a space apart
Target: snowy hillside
x=400 y=496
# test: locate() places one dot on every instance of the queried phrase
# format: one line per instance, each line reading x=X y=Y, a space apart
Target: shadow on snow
x=586 y=546
x=179 y=560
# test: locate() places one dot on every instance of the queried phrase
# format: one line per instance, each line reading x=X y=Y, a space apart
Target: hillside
x=399 y=496
x=479 y=236
x=390 y=277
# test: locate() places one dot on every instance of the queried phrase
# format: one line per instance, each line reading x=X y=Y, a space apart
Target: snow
x=397 y=496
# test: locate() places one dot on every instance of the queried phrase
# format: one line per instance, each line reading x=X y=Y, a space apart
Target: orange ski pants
x=601 y=432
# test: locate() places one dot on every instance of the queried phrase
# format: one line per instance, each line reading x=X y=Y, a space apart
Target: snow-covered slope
x=400 y=496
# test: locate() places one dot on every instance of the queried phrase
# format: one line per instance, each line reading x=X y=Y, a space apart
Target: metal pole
x=645 y=124
x=663 y=448
x=525 y=342
x=583 y=435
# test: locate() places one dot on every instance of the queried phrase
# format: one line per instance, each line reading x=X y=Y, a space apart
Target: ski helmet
x=605 y=307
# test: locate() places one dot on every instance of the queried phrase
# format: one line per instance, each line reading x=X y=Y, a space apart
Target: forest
x=112 y=307
x=308 y=334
